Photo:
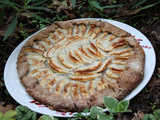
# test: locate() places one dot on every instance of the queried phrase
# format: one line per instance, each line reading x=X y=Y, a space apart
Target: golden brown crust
x=78 y=62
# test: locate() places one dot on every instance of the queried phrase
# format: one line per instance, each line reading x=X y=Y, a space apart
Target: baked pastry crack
x=79 y=62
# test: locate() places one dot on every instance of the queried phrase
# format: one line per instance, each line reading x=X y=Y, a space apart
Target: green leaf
x=157 y=113
x=9 y=3
x=42 y=26
x=56 y=118
x=39 y=2
x=6 y=92
x=146 y=117
x=123 y=105
x=114 y=1
x=128 y=110
x=110 y=103
x=21 y=26
x=113 y=6
x=46 y=117
x=93 y=116
x=148 y=6
x=24 y=113
x=64 y=3
x=1 y=115
x=36 y=8
x=30 y=115
x=138 y=4
x=103 y=15
x=2 y=6
x=79 y=114
x=96 y=110
x=149 y=117
x=27 y=2
x=86 y=110
x=74 y=3
x=104 y=116
x=9 y=115
x=2 y=84
x=39 y=18
x=10 y=28
x=96 y=5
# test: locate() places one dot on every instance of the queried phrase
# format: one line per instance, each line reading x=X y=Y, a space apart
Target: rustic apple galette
x=78 y=62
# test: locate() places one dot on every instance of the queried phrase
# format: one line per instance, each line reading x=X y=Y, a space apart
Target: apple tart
x=78 y=62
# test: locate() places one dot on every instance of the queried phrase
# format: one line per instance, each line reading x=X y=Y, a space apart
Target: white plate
x=17 y=91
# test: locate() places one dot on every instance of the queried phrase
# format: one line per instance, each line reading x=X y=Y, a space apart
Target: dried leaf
x=90 y=14
x=26 y=15
x=139 y=115
x=156 y=35
x=153 y=82
x=70 y=15
x=158 y=69
x=123 y=12
x=156 y=27
x=58 y=6
x=7 y=108
x=2 y=33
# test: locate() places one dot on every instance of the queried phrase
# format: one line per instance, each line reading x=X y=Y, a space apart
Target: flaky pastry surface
x=78 y=62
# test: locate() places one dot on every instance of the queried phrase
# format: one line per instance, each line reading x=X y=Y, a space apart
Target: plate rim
x=128 y=97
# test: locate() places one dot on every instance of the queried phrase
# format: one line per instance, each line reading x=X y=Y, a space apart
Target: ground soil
x=146 y=101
